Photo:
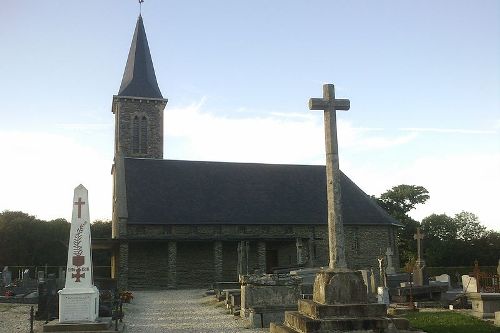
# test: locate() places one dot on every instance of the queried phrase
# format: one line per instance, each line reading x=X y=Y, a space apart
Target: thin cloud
x=446 y=130
x=84 y=126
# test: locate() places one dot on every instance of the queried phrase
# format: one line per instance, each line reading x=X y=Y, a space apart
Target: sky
x=423 y=78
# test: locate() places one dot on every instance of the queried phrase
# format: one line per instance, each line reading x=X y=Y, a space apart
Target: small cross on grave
x=335 y=227
x=79 y=203
x=390 y=268
x=418 y=237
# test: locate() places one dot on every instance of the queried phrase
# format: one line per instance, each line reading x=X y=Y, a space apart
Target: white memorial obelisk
x=79 y=300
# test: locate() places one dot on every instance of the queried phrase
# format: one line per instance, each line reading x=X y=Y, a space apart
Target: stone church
x=182 y=224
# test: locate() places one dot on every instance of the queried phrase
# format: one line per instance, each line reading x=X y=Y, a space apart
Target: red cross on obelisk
x=78 y=275
x=79 y=203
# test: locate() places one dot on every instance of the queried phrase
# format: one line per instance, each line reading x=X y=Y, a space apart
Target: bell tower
x=138 y=106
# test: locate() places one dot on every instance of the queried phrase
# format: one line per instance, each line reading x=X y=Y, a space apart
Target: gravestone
x=418 y=271
x=6 y=276
x=79 y=300
x=382 y=290
x=469 y=284
x=443 y=280
x=390 y=267
x=47 y=299
x=266 y=297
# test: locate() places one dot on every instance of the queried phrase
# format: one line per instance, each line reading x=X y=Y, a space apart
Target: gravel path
x=180 y=311
x=15 y=318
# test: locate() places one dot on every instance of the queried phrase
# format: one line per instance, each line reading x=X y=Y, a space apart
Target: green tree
x=440 y=227
x=469 y=227
x=18 y=236
x=101 y=229
x=398 y=201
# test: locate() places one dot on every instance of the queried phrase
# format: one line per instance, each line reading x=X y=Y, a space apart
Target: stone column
x=300 y=251
x=218 y=261
x=310 y=246
x=123 y=266
x=261 y=256
x=172 y=265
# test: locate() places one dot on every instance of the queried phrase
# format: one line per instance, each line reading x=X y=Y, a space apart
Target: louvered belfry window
x=140 y=135
x=135 y=135
x=143 y=146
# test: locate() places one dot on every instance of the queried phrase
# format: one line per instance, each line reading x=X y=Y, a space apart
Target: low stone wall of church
x=194 y=254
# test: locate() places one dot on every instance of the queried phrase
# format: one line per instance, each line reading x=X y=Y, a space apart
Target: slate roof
x=139 y=79
x=192 y=192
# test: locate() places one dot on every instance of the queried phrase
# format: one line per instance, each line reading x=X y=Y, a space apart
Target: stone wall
x=147 y=266
x=193 y=257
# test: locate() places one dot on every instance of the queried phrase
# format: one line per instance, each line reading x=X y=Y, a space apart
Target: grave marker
x=390 y=267
x=418 y=272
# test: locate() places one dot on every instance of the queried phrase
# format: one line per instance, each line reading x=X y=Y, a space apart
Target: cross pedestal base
x=78 y=305
x=340 y=304
x=339 y=287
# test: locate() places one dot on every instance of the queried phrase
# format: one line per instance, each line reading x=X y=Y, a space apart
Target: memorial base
x=101 y=325
x=78 y=305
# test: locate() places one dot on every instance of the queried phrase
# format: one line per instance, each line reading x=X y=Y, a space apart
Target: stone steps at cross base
x=326 y=311
x=302 y=323
x=277 y=328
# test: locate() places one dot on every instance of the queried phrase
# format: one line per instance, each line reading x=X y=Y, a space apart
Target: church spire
x=139 y=79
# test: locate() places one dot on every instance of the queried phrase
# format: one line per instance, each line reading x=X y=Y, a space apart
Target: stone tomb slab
x=484 y=305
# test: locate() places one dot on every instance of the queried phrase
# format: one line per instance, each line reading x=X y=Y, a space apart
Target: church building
x=183 y=224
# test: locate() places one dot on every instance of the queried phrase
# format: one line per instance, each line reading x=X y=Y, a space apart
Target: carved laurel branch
x=77 y=241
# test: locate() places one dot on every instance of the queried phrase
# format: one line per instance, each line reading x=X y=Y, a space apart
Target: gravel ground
x=172 y=311
x=180 y=311
x=15 y=318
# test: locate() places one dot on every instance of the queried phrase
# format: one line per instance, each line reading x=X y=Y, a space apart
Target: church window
x=144 y=135
x=140 y=135
x=135 y=135
x=355 y=241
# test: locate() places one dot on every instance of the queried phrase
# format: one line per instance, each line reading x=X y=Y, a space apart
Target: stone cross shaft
x=418 y=236
x=335 y=227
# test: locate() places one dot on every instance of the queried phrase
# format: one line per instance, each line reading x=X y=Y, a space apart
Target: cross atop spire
x=139 y=79
x=140 y=6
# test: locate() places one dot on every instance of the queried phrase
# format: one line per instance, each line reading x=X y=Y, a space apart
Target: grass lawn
x=449 y=322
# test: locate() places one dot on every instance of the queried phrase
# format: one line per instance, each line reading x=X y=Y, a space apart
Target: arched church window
x=135 y=135
x=144 y=135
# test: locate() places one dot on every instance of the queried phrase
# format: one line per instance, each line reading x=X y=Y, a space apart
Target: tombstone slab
x=79 y=300
x=484 y=305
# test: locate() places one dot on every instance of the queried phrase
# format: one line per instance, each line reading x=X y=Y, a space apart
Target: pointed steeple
x=139 y=79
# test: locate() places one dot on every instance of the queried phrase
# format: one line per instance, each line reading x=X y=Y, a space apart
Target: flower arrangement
x=126 y=296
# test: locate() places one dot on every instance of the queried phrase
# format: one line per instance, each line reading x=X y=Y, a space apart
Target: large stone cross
x=335 y=227
x=418 y=237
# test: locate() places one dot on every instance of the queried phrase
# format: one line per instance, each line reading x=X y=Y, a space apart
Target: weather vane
x=140 y=6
